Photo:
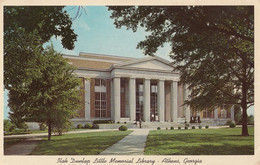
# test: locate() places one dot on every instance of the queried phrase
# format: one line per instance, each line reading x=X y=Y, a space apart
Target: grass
x=9 y=142
x=79 y=144
x=226 y=141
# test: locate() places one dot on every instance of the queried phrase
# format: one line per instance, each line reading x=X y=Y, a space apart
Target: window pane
x=103 y=113
x=97 y=113
x=103 y=96
x=103 y=82
x=141 y=89
x=97 y=82
x=97 y=96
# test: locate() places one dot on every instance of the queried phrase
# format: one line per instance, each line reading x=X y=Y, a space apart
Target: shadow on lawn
x=225 y=149
x=198 y=143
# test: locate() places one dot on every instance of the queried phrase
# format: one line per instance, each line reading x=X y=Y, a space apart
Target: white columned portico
x=174 y=106
x=161 y=100
x=132 y=99
x=146 y=113
x=187 y=109
x=116 y=88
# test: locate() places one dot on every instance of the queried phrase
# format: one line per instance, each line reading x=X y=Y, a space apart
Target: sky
x=97 y=34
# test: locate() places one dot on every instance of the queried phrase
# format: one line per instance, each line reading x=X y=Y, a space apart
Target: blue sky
x=97 y=34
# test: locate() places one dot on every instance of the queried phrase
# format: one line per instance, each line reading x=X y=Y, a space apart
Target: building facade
x=129 y=89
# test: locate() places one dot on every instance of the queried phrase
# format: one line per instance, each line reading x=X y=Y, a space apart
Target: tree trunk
x=244 y=121
x=49 y=131
x=244 y=110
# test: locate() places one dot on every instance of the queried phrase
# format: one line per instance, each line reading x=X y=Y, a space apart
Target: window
x=207 y=113
x=100 y=104
x=223 y=113
x=100 y=82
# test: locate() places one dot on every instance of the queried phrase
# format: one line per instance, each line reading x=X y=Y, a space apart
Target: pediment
x=153 y=63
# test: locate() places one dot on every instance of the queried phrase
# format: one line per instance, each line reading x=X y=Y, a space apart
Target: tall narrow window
x=153 y=102
x=100 y=98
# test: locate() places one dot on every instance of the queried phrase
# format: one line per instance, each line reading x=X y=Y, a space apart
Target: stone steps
x=116 y=126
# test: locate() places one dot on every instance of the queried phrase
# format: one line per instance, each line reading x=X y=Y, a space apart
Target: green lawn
x=91 y=143
x=225 y=141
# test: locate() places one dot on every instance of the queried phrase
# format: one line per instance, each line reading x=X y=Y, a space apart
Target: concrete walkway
x=23 y=148
x=133 y=144
x=46 y=134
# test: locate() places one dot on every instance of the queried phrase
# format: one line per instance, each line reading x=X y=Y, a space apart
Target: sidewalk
x=23 y=148
x=133 y=144
x=46 y=134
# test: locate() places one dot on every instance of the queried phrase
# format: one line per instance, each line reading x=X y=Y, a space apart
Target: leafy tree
x=51 y=97
x=212 y=47
x=45 y=20
x=40 y=23
x=32 y=74
x=8 y=126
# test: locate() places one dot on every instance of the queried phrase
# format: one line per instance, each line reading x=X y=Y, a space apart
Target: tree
x=212 y=47
x=51 y=97
x=40 y=22
x=55 y=95
x=45 y=20
x=27 y=65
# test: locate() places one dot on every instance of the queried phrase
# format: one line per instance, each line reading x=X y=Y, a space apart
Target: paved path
x=46 y=134
x=133 y=144
x=23 y=148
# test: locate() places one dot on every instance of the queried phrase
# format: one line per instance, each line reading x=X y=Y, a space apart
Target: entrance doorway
x=153 y=102
x=139 y=100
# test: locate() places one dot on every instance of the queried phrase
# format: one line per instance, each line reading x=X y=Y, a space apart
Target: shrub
x=193 y=127
x=8 y=125
x=118 y=122
x=179 y=127
x=206 y=126
x=125 y=122
x=228 y=122
x=95 y=126
x=186 y=127
x=232 y=125
x=88 y=126
x=158 y=128
x=12 y=128
x=200 y=127
x=42 y=126
x=122 y=128
x=102 y=121
x=79 y=126
x=166 y=128
x=172 y=128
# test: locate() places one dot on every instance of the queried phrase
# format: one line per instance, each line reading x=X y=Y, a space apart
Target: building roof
x=109 y=62
x=95 y=61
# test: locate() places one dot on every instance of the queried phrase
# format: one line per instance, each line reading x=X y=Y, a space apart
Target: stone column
x=112 y=99
x=232 y=113
x=174 y=106
x=116 y=100
x=147 y=88
x=187 y=108
x=161 y=100
x=216 y=113
x=132 y=99
x=87 y=101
